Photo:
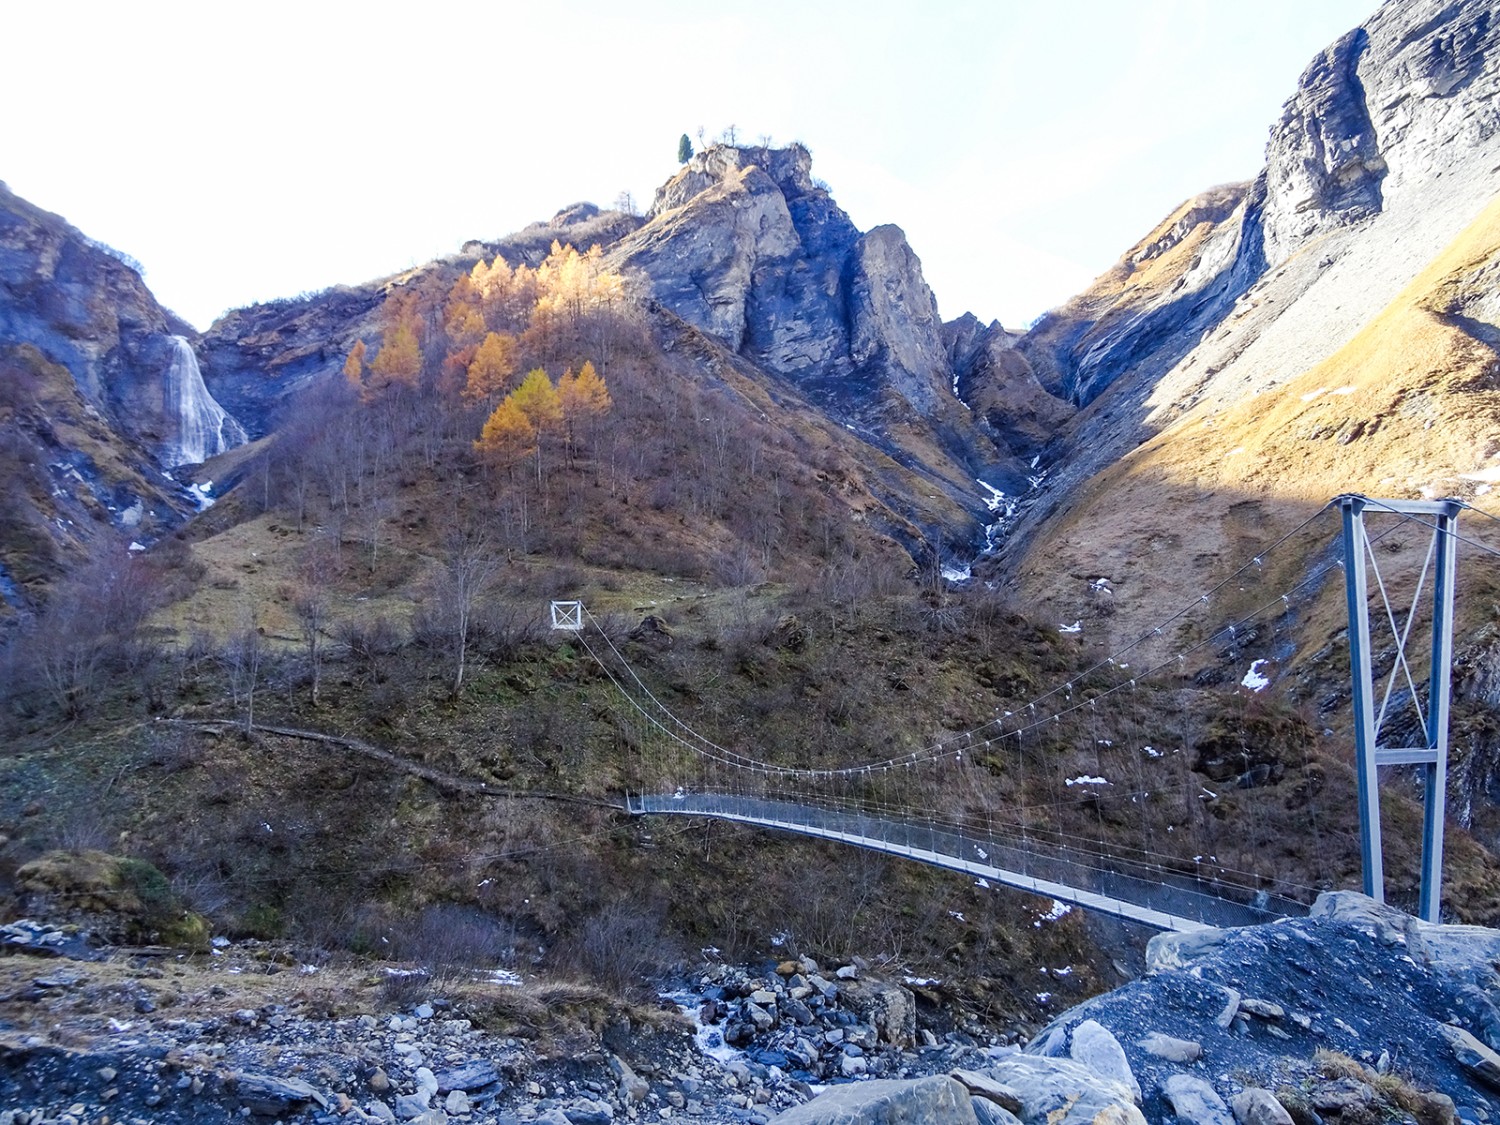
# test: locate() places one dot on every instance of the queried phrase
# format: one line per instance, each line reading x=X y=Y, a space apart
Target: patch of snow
x=921 y=982
x=134 y=546
x=1344 y=391
x=982 y=884
x=1310 y=395
x=996 y=499
x=1487 y=476
x=1151 y=751
x=1043 y=997
x=953 y=572
x=957 y=915
x=1254 y=680
x=1060 y=909
x=202 y=494
x=1076 y=627
x=509 y=978
x=1086 y=780
x=679 y=795
x=1066 y=970
x=1035 y=461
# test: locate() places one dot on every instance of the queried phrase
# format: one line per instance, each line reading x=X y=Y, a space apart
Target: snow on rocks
x=1254 y=679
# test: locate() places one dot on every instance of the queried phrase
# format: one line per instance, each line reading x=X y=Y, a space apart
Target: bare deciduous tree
x=470 y=563
x=242 y=659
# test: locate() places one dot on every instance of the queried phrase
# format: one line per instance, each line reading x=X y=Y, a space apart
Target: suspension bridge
x=968 y=801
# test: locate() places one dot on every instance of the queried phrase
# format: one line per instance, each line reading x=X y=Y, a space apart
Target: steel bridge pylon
x=1442 y=517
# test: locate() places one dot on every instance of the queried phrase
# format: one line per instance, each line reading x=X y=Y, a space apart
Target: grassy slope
x=1407 y=408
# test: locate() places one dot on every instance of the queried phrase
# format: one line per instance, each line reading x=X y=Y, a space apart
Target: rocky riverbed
x=90 y=1034
x=1355 y=1015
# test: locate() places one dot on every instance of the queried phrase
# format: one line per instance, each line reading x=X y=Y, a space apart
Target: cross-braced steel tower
x=1441 y=517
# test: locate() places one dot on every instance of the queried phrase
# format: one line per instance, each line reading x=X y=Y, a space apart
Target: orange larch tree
x=508 y=436
x=584 y=399
x=491 y=368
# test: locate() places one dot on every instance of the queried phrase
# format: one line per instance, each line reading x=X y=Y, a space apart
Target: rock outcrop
x=1350 y=1009
x=84 y=307
x=1395 y=119
x=1328 y=327
x=87 y=363
x=745 y=245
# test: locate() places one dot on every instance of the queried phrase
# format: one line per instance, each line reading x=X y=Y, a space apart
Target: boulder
x=987 y=1112
x=889 y=1008
x=411 y=1106
x=938 y=1100
x=1194 y=1101
x=1100 y=1051
x=1179 y=950
x=1048 y=1086
x=585 y=1111
x=270 y=1096
x=1341 y=1095
x=983 y=1086
x=1472 y=1055
x=473 y=1075
x=1171 y=1048
x=457 y=1104
x=1254 y=1106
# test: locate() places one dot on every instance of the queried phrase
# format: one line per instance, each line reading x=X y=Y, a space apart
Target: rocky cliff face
x=92 y=404
x=1325 y=328
x=82 y=306
x=745 y=245
x=1383 y=154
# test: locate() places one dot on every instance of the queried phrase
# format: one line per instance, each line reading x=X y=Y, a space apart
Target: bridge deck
x=1163 y=900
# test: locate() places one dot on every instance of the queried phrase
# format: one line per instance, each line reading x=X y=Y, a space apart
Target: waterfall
x=203 y=426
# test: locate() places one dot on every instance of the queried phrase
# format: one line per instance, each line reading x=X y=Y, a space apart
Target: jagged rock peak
x=790 y=169
x=1391 y=105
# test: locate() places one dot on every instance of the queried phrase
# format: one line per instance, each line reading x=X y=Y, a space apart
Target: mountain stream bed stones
x=1355 y=1015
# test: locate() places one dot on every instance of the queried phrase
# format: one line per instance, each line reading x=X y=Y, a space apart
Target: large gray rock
x=271 y=1096
x=746 y=246
x=1472 y=1055
x=1096 y=1048
x=987 y=1088
x=1046 y=1086
x=987 y=1112
x=1171 y=1048
x=889 y=1008
x=1194 y=1101
x=1178 y=950
x=938 y=1100
x=1254 y=1106
x=472 y=1075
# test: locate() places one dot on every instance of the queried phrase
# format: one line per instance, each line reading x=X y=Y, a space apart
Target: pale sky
x=245 y=152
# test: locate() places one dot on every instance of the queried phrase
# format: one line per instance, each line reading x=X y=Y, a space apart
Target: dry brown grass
x=1411 y=391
